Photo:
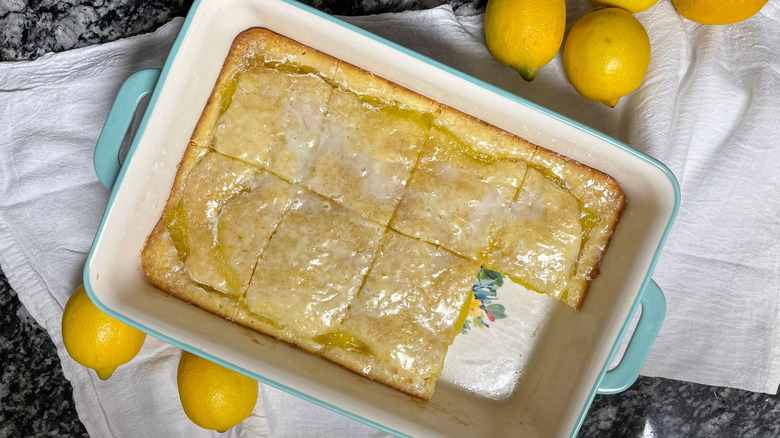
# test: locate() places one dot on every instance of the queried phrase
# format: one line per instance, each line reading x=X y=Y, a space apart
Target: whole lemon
x=212 y=396
x=95 y=339
x=632 y=6
x=718 y=11
x=606 y=55
x=525 y=34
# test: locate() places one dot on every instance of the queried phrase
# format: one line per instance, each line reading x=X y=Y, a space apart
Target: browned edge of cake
x=597 y=193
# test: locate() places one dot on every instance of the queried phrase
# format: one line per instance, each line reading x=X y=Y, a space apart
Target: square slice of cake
x=456 y=198
x=406 y=314
x=245 y=224
x=312 y=267
x=274 y=120
x=601 y=201
x=366 y=154
x=163 y=267
x=196 y=221
x=539 y=243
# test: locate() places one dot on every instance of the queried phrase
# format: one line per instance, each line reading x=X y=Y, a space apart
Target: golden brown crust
x=154 y=246
x=373 y=368
x=256 y=43
x=484 y=138
x=362 y=82
x=163 y=268
x=365 y=83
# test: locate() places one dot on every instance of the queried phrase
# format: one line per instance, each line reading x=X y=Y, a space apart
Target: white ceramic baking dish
x=533 y=373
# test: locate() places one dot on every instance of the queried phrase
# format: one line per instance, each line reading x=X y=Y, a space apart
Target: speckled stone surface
x=30 y=28
x=35 y=397
x=656 y=408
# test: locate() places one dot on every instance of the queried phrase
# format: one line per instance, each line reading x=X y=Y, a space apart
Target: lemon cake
x=332 y=209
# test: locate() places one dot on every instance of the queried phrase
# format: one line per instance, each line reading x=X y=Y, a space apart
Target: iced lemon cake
x=334 y=210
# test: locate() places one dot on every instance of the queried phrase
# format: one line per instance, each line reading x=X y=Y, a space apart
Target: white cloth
x=709 y=108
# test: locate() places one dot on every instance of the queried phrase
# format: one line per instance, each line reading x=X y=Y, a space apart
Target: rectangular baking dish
x=533 y=373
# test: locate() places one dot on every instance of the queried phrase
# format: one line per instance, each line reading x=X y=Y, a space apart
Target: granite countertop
x=35 y=397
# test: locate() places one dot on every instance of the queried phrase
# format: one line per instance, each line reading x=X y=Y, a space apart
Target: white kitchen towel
x=709 y=109
x=51 y=112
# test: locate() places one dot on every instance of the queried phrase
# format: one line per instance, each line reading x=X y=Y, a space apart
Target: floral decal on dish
x=484 y=310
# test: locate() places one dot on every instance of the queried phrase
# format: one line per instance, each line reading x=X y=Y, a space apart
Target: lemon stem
x=526 y=73
x=105 y=373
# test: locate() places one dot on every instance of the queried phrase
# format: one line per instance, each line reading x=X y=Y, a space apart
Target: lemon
x=632 y=6
x=95 y=339
x=214 y=397
x=718 y=11
x=606 y=55
x=525 y=34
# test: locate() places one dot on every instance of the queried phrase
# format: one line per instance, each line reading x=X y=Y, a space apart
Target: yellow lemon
x=718 y=11
x=606 y=55
x=95 y=339
x=214 y=397
x=632 y=6
x=525 y=34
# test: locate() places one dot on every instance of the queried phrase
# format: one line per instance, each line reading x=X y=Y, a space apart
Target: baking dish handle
x=626 y=372
x=106 y=160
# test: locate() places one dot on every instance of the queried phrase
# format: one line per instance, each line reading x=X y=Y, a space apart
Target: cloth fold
x=709 y=109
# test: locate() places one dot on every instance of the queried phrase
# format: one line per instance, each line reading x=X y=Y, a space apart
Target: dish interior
x=529 y=373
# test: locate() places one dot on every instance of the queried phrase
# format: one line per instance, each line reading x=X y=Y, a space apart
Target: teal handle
x=134 y=89
x=626 y=372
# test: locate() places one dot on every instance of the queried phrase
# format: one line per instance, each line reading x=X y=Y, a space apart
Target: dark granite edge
x=28 y=31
